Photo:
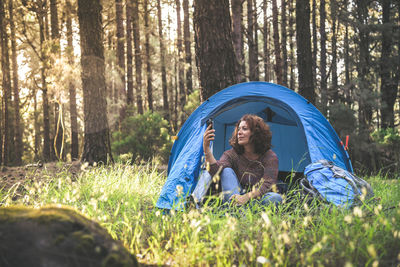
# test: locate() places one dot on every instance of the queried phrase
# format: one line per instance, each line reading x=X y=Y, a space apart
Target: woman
x=249 y=169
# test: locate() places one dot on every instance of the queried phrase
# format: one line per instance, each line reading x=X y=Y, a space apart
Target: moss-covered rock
x=53 y=236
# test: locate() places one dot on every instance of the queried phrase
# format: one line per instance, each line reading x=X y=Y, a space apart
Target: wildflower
x=358 y=212
x=158 y=213
x=266 y=220
x=306 y=220
x=274 y=188
x=348 y=219
x=285 y=238
x=375 y=264
x=249 y=247
x=348 y=264
x=262 y=260
x=179 y=190
x=306 y=208
x=371 y=250
x=377 y=209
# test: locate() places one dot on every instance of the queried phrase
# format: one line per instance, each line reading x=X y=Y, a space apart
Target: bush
x=144 y=136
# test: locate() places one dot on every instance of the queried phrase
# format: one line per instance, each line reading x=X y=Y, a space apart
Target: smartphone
x=209 y=121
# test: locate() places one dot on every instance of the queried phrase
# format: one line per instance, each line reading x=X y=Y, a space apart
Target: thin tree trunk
x=181 y=74
x=237 y=35
x=256 y=61
x=162 y=62
x=41 y=15
x=335 y=82
x=284 y=43
x=323 y=84
x=292 y=59
x=138 y=56
x=55 y=36
x=315 y=41
x=18 y=131
x=277 y=46
x=97 y=148
x=215 y=56
x=36 y=126
x=120 y=90
x=347 y=60
x=266 y=42
x=72 y=90
x=250 y=41
x=388 y=85
x=304 y=56
x=6 y=83
x=188 y=50
x=129 y=53
x=147 y=57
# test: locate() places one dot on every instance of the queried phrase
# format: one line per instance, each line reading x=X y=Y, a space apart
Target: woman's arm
x=209 y=136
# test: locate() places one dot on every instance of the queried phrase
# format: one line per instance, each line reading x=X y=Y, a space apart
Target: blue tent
x=300 y=134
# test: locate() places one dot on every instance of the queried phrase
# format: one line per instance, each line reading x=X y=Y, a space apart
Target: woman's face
x=244 y=133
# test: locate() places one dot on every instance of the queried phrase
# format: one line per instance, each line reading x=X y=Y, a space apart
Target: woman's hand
x=240 y=200
x=209 y=136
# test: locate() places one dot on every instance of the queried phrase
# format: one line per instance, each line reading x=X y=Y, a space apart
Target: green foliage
x=389 y=136
x=143 y=136
x=121 y=198
x=342 y=119
x=193 y=102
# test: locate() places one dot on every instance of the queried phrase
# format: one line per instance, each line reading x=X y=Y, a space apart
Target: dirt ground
x=12 y=175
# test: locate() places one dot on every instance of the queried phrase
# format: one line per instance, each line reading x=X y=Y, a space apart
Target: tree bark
x=181 y=72
x=304 y=56
x=129 y=53
x=335 y=83
x=266 y=42
x=215 y=56
x=18 y=132
x=162 y=63
x=188 y=50
x=388 y=84
x=315 y=41
x=284 y=43
x=97 y=148
x=237 y=36
x=323 y=84
x=147 y=56
x=250 y=41
x=120 y=89
x=6 y=83
x=72 y=90
x=138 y=55
x=256 y=61
x=277 y=46
x=292 y=59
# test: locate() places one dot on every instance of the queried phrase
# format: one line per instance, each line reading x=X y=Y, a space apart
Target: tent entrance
x=288 y=137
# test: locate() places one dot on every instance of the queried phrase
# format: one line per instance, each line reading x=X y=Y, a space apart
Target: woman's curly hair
x=261 y=135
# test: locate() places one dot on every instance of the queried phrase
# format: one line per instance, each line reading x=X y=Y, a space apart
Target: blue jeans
x=230 y=186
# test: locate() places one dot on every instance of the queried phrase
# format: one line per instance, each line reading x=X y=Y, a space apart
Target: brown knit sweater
x=262 y=173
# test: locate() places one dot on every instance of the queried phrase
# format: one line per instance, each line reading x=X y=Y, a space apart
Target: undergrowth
x=122 y=199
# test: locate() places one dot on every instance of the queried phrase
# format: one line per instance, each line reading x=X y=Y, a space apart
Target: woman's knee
x=271 y=197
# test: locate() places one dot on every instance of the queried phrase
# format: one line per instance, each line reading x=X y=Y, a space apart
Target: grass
x=121 y=198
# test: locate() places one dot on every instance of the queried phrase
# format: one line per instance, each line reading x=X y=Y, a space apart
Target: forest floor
x=10 y=176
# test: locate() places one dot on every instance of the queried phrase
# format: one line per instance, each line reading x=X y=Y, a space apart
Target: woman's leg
x=229 y=183
x=271 y=197
x=202 y=186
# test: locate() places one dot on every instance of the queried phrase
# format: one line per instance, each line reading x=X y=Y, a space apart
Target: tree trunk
x=58 y=129
x=304 y=56
x=120 y=89
x=346 y=44
x=250 y=41
x=266 y=42
x=323 y=84
x=138 y=55
x=188 y=50
x=335 y=82
x=277 y=46
x=147 y=57
x=292 y=59
x=162 y=62
x=41 y=16
x=72 y=90
x=284 y=43
x=315 y=41
x=6 y=83
x=97 y=146
x=216 y=59
x=181 y=74
x=237 y=35
x=257 y=67
x=365 y=90
x=36 y=126
x=388 y=85
x=18 y=132
x=129 y=53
